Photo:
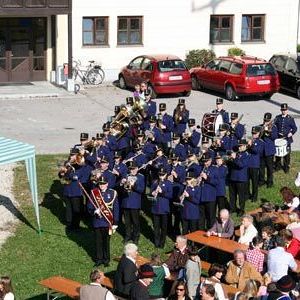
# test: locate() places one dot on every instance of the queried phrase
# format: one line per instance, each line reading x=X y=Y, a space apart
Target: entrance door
x=22 y=49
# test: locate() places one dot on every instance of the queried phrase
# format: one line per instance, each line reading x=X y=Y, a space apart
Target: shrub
x=199 y=57
x=235 y=51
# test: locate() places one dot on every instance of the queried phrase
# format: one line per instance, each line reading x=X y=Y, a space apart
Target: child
x=137 y=91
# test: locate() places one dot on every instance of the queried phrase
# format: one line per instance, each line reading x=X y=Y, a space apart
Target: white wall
x=176 y=26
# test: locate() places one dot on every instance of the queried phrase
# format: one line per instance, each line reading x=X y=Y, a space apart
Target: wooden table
x=277 y=217
x=223 y=244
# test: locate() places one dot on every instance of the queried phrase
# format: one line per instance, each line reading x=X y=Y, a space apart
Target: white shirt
x=109 y=295
x=10 y=296
x=294 y=204
x=248 y=235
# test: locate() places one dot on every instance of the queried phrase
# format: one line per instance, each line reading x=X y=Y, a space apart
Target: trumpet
x=129 y=182
x=157 y=191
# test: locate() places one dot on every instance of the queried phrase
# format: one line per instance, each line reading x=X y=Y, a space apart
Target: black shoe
x=262 y=183
x=286 y=171
x=106 y=264
x=98 y=263
x=269 y=185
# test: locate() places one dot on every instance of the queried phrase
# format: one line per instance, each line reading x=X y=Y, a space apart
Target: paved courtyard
x=53 y=124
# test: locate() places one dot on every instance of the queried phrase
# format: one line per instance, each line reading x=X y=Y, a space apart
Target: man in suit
x=95 y=290
x=127 y=271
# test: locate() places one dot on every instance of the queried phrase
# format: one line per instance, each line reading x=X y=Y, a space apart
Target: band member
x=147 y=144
x=191 y=138
x=286 y=127
x=166 y=125
x=106 y=173
x=221 y=186
x=237 y=130
x=178 y=148
x=190 y=199
x=120 y=169
x=270 y=133
x=223 y=143
x=84 y=138
x=192 y=164
x=134 y=186
x=110 y=140
x=208 y=181
x=255 y=149
x=137 y=156
x=70 y=173
x=205 y=147
x=105 y=212
x=153 y=133
x=180 y=117
x=151 y=111
x=102 y=150
x=177 y=177
x=238 y=180
x=162 y=193
x=158 y=162
x=220 y=110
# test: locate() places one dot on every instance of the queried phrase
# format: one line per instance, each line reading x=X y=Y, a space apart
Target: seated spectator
x=239 y=271
x=291 y=201
x=279 y=261
x=126 y=273
x=247 y=230
x=139 y=288
x=6 y=290
x=251 y=288
x=178 y=258
x=254 y=255
x=179 y=291
x=294 y=221
x=193 y=272
x=156 y=288
x=94 y=290
x=215 y=274
x=223 y=226
x=268 y=238
x=208 y=292
x=292 y=245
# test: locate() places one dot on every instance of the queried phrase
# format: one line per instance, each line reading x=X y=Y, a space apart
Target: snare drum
x=281 y=147
x=210 y=124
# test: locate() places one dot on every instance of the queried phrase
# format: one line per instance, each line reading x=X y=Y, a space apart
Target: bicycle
x=92 y=74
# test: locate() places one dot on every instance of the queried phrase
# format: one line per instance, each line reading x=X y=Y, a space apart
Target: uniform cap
x=191 y=122
x=137 y=147
x=162 y=106
x=84 y=136
x=256 y=129
x=234 y=115
x=224 y=127
x=104 y=159
x=117 y=108
x=117 y=154
x=162 y=171
x=181 y=101
x=106 y=126
x=147 y=92
x=152 y=119
x=219 y=101
x=129 y=100
x=173 y=156
x=140 y=132
x=284 y=106
x=242 y=142
x=158 y=149
x=206 y=156
x=189 y=175
x=99 y=136
x=102 y=180
x=74 y=151
x=176 y=136
x=132 y=165
x=218 y=155
x=267 y=116
x=205 y=140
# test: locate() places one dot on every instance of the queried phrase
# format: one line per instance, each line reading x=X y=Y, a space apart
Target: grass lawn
x=28 y=257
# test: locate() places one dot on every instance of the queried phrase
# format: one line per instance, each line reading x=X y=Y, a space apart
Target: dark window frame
x=94 y=31
x=252 y=28
x=219 y=28
x=128 y=30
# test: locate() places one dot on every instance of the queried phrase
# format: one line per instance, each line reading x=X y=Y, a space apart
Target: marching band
x=181 y=167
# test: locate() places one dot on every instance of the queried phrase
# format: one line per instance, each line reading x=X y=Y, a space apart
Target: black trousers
x=102 y=245
x=221 y=202
x=132 y=224
x=286 y=161
x=266 y=162
x=73 y=211
x=189 y=226
x=253 y=179
x=207 y=214
x=238 y=190
x=160 y=227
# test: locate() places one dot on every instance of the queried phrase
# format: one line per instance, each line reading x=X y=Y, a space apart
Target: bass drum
x=210 y=124
x=281 y=147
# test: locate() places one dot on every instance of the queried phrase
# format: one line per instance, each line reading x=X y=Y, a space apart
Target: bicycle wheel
x=94 y=77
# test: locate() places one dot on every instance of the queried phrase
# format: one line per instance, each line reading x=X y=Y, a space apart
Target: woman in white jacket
x=6 y=291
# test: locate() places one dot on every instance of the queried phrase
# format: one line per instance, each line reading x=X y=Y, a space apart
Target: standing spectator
x=247 y=230
x=215 y=274
x=279 y=261
x=223 y=227
x=268 y=238
x=179 y=291
x=193 y=272
x=126 y=273
x=291 y=201
x=208 y=292
x=6 y=290
x=94 y=290
x=239 y=271
x=254 y=255
x=139 y=289
x=156 y=288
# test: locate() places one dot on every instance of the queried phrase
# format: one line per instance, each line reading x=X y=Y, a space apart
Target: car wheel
x=195 y=83
x=298 y=91
x=186 y=93
x=267 y=96
x=230 y=93
x=153 y=93
x=122 y=83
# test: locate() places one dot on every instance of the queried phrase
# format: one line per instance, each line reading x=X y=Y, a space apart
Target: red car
x=237 y=76
x=165 y=74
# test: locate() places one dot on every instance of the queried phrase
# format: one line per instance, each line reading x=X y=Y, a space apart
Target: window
x=221 y=29
x=147 y=65
x=95 y=31
x=253 y=28
x=225 y=65
x=171 y=65
x=291 y=65
x=213 y=65
x=279 y=61
x=260 y=70
x=130 y=30
x=136 y=63
x=236 y=68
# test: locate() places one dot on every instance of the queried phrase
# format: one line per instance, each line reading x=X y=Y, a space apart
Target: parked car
x=164 y=73
x=237 y=76
x=288 y=69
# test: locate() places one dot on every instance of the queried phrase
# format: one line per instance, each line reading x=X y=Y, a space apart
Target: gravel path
x=7 y=203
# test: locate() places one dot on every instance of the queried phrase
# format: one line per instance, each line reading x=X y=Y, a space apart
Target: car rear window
x=260 y=70
x=171 y=65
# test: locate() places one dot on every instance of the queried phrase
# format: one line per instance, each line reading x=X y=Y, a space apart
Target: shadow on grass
x=44 y=296
x=8 y=204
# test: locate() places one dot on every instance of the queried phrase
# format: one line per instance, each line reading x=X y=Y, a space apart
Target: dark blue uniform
x=224 y=114
x=110 y=178
x=193 y=142
x=236 y=135
x=139 y=158
x=221 y=186
x=101 y=225
x=160 y=211
x=181 y=152
x=180 y=127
